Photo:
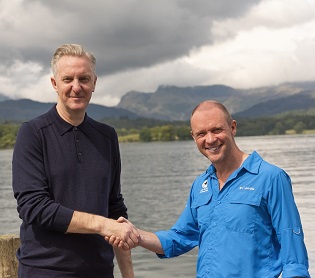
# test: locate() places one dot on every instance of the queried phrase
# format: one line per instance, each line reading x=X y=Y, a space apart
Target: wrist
x=102 y=225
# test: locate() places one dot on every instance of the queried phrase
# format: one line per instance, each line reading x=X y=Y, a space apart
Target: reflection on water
x=156 y=178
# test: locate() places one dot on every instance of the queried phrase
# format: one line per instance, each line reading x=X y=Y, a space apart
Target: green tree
x=279 y=129
x=8 y=132
x=145 y=135
x=183 y=133
x=155 y=133
x=299 y=127
x=167 y=133
x=7 y=141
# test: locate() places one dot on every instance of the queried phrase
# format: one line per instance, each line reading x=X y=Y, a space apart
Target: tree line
x=150 y=130
x=298 y=123
x=8 y=132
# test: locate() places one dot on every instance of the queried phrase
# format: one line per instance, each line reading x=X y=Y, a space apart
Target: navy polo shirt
x=59 y=168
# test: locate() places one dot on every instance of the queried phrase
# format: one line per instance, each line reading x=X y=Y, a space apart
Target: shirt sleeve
x=117 y=206
x=30 y=184
x=287 y=224
x=182 y=237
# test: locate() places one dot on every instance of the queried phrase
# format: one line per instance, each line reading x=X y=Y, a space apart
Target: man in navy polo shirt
x=66 y=179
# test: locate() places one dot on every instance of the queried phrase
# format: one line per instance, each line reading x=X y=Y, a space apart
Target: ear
x=233 y=127
x=192 y=135
x=95 y=79
x=53 y=83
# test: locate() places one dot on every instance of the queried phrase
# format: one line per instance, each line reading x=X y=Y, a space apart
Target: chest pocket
x=240 y=213
x=201 y=210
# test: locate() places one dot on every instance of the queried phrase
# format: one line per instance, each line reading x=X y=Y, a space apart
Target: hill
x=3 y=97
x=175 y=103
x=171 y=103
x=25 y=109
x=304 y=101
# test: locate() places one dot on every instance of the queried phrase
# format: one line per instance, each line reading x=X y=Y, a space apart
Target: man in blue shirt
x=66 y=179
x=240 y=212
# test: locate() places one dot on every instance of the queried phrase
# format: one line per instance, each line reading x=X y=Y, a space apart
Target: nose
x=76 y=85
x=209 y=137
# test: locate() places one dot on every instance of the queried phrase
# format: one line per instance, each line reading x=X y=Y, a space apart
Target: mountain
x=3 y=97
x=176 y=103
x=25 y=109
x=172 y=103
x=303 y=101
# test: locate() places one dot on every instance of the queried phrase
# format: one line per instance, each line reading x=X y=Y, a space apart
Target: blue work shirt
x=251 y=228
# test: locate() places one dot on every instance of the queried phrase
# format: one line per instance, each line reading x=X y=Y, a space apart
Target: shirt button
x=219 y=202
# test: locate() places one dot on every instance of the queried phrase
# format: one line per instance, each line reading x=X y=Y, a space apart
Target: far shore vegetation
x=150 y=130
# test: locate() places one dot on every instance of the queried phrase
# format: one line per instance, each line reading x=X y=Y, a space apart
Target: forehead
x=74 y=65
x=207 y=118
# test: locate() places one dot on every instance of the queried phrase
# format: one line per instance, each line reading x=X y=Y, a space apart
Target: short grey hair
x=71 y=50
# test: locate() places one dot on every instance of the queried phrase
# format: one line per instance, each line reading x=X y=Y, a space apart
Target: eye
x=85 y=79
x=217 y=130
x=200 y=134
x=67 y=79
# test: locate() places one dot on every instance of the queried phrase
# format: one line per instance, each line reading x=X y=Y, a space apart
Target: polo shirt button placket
x=77 y=141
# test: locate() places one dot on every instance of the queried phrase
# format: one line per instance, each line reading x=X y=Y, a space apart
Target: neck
x=74 y=118
x=223 y=171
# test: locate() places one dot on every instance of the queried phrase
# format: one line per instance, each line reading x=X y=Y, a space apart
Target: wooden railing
x=8 y=262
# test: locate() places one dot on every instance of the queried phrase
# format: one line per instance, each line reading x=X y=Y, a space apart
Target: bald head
x=207 y=105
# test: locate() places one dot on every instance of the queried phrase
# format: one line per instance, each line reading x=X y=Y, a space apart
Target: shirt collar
x=251 y=164
x=61 y=125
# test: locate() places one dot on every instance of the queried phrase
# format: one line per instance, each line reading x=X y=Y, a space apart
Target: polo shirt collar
x=61 y=125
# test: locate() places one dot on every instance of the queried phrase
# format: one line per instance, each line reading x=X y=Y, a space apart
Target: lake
x=156 y=178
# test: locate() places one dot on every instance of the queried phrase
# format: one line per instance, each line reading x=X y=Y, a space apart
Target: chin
x=78 y=106
x=214 y=158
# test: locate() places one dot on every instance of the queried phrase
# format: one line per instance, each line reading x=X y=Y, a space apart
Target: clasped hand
x=126 y=235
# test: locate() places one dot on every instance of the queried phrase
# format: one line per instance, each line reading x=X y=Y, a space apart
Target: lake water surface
x=156 y=178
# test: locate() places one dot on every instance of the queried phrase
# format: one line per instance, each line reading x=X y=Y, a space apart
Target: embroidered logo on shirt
x=204 y=187
x=246 y=188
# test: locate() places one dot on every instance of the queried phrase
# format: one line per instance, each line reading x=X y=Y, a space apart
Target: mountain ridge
x=26 y=109
x=176 y=103
x=172 y=103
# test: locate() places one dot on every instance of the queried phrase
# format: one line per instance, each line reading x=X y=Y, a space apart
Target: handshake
x=124 y=234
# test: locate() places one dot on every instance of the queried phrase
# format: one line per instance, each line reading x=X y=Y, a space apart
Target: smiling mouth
x=76 y=97
x=214 y=149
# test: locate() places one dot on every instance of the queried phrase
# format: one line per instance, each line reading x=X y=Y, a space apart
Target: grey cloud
x=122 y=34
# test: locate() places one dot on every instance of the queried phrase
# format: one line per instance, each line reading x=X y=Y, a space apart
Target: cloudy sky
x=142 y=44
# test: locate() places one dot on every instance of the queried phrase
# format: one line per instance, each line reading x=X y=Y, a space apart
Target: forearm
x=151 y=242
x=85 y=223
x=124 y=261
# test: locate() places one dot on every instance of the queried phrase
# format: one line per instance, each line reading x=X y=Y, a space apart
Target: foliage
x=276 y=125
x=8 y=132
x=147 y=130
x=145 y=135
x=129 y=138
x=127 y=124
